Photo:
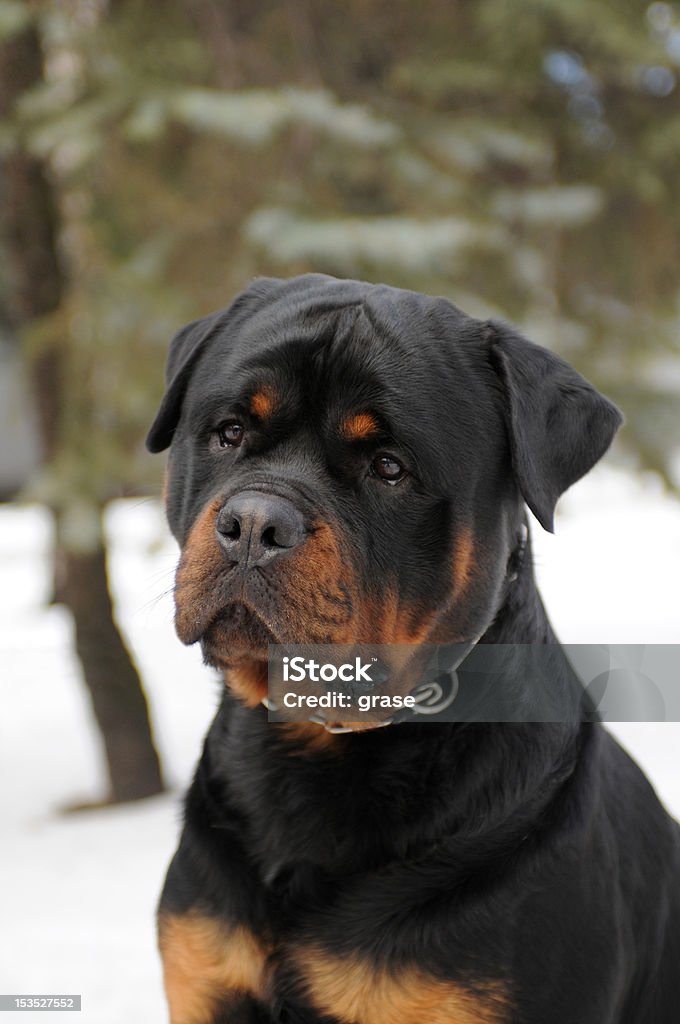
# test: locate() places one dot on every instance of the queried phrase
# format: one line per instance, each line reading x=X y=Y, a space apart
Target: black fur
x=533 y=856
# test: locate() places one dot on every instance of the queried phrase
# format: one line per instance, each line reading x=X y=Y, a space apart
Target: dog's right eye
x=230 y=434
x=388 y=469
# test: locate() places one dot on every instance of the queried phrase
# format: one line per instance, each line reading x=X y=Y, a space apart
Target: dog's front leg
x=214 y=971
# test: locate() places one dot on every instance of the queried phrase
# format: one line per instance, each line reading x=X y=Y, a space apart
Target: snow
x=78 y=890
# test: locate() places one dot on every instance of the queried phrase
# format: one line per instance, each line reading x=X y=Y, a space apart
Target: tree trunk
x=35 y=288
x=28 y=224
x=117 y=698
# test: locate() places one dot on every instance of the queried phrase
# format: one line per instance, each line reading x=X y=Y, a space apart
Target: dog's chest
x=347 y=988
x=209 y=964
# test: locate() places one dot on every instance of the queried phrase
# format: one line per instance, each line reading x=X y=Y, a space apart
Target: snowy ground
x=77 y=891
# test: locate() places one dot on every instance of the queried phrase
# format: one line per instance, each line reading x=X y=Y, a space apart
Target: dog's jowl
x=350 y=464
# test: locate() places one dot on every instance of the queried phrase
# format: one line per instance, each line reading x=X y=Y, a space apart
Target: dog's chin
x=237 y=636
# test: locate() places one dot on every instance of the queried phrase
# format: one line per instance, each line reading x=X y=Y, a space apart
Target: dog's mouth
x=237 y=634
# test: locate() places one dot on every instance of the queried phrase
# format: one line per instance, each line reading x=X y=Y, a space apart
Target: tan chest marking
x=203 y=962
x=353 y=991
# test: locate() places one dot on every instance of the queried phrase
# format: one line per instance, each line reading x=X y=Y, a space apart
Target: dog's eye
x=388 y=469
x=230 y=434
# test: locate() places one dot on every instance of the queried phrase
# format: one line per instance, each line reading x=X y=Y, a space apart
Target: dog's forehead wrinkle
x=376 y=346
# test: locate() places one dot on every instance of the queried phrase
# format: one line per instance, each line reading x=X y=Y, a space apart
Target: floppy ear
x=559 y=425
x=185 y=349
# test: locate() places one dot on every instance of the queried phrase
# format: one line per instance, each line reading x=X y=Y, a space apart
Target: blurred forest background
x=521 y=157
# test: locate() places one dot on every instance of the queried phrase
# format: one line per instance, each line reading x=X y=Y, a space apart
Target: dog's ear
x=185 y=349
x=558 y=424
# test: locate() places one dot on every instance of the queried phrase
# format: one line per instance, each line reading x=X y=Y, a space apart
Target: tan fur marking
x=320 y=585
x=249 y=682
x=353 y=991
x=463 y=560
x=359 y=427
x=201 y=558
x=389 y=622
x=203 y=961
x=263 y=403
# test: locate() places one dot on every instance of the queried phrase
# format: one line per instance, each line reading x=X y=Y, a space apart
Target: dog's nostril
x=231 y=528
x=279 y=535
x=269 y=538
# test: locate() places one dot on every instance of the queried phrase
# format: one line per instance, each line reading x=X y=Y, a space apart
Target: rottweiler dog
x=349 y=463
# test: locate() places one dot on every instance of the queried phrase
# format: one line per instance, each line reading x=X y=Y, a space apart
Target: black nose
x=253 y=528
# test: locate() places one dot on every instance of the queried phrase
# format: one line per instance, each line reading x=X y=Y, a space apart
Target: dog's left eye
x=388 y=469
x=230 y=434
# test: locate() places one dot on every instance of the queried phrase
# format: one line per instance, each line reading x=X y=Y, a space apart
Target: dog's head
x=348 y=463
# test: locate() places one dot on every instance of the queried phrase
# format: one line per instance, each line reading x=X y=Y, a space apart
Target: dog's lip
x=199 y=628
x=226 y=655
x=238 y=606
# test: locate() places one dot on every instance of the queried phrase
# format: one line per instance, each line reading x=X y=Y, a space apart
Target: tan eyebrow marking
x=264 y=402
x=359 y=426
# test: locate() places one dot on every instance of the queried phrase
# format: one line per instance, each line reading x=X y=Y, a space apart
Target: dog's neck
x=376 y=799
x=521 y=617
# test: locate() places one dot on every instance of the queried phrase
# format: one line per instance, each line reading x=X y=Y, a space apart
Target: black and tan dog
x=349 y=463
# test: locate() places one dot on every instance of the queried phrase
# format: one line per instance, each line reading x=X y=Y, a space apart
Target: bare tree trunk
x=117 y=697
x=28 y=224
